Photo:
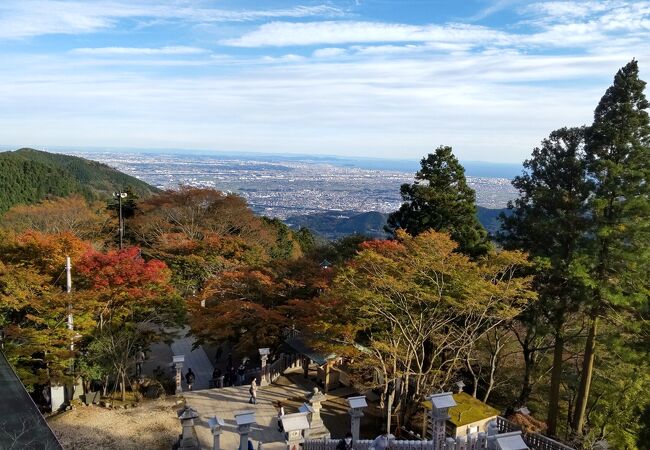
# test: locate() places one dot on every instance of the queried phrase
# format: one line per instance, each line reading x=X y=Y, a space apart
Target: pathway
x=160 y=356
x=195 y=359
x=291 y=390
x=224 y=403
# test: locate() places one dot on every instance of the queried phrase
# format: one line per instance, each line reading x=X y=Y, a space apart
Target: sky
x=373 y=78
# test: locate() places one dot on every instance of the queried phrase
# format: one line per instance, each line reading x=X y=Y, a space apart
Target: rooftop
x=467 y=410
x=22 y=424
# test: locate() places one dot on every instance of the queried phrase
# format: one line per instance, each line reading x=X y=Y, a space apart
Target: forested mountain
x=337 y=224
x=28 y=176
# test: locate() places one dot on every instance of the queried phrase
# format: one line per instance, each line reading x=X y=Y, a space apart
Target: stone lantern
x=294 y=425
x=178 y=365
x=244 y=420
x=357 y=404
x=317 y=428
x=440 y=404
x=264 y=356
x=216 y=426
x=188 y=440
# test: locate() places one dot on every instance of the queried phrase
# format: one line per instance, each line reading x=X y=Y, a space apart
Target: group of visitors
x=381 y=442
x=231 y=376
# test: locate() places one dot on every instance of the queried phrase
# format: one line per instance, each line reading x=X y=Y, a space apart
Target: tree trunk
x=585 y=379
x=389 y=409
x=526 y=386
x=475 y=379
x=556 y=380
x=123 y=387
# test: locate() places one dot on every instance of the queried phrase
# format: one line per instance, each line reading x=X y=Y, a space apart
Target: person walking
x=253 y=392
x=280 y=414
x=345 y=443
x=139 y=360
x=190 y=378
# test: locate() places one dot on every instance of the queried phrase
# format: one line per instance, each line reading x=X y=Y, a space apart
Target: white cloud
x=25 y=18
x=139 y=51
x=343 y=32
x=586 y=25
x=288 y=58
x=489 y=107
x=329 y=52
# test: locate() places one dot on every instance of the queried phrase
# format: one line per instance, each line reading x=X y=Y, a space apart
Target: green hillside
x=338 y=224
x=28 y=176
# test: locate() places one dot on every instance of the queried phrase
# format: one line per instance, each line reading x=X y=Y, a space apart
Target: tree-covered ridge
x=29 y=176
x=25 y=181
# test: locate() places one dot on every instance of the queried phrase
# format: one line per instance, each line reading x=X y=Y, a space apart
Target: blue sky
x=341 y=77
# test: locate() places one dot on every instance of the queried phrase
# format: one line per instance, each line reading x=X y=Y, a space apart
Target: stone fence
x=534 y=440
x=479 y=441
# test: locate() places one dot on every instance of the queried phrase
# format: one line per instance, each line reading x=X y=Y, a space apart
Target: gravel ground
x=152 y=425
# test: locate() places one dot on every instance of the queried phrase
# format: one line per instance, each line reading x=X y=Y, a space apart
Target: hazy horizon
x=410 y=165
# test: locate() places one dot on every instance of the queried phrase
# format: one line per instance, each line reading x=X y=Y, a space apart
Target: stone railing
x=535 y=441
x=330 y=444
x=472 y=442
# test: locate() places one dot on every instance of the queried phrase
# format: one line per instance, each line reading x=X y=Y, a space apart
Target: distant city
x=285 y=186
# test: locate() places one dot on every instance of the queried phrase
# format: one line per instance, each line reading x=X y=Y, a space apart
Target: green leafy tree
x=548 y=221
x=618 y=163
x=441 y=200
x=412 y=308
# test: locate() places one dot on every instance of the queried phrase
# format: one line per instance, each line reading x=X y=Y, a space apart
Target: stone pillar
x=264 y=355
x=357 y=404
x=317 y=428
x=57 y=397
x=244 y=420
x=326 y=381
x=178 y=365
x=189 y=440
x=481 y=441
x=440 y=404
x=449 y=444
x=216 y=425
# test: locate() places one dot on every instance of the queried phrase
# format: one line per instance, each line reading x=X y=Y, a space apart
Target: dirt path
x=153 y=425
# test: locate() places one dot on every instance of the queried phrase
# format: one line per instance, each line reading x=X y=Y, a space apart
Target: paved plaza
x=292 y=390
x=224 y=403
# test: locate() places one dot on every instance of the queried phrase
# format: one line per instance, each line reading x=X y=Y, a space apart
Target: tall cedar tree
x=441 y=200
x=548 y=220
x=618 y=163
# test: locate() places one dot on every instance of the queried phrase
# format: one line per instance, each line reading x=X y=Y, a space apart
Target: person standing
x=139 y=360
x=345 y=443
x=253 y=392
x=190 y=378
x=381 y=442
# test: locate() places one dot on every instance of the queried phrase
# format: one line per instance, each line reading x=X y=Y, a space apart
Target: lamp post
x=119 y=196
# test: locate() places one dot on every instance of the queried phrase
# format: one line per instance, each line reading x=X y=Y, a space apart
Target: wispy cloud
x=587 y=25
x=329 y=52
x=139 y=51
x=344 y=32
x=41 y=17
